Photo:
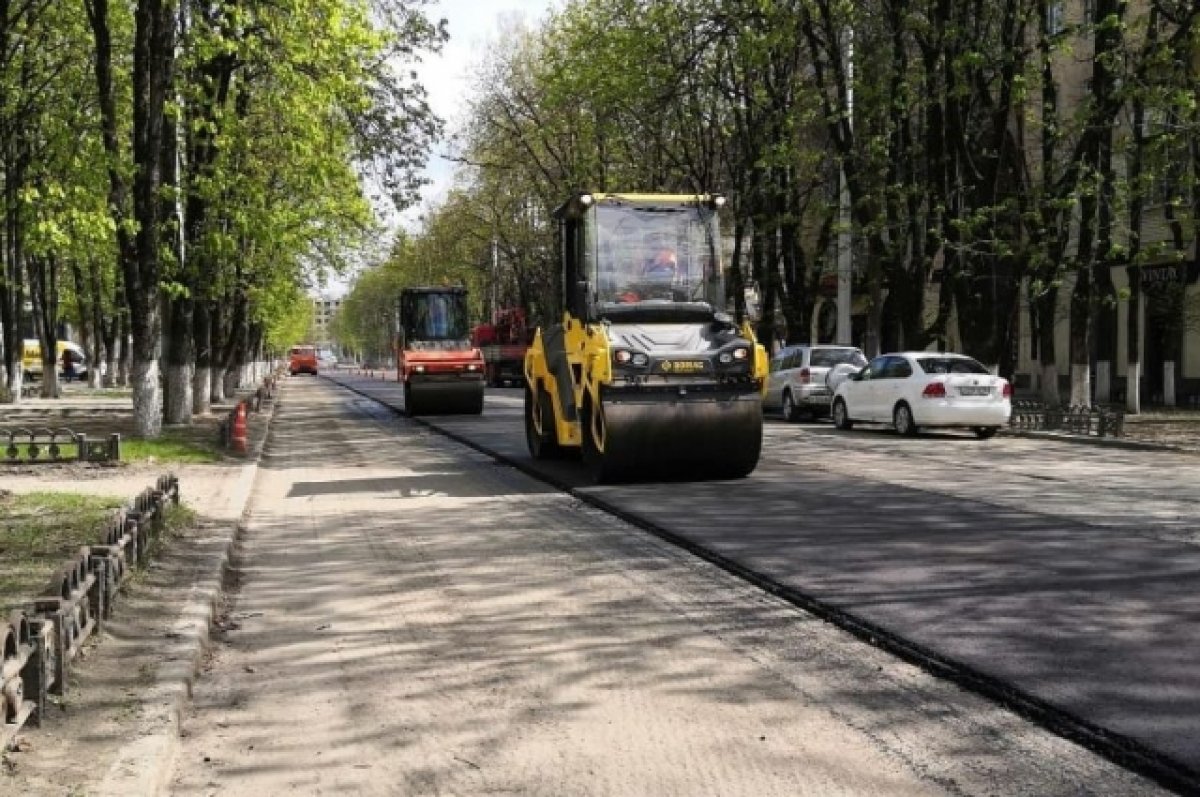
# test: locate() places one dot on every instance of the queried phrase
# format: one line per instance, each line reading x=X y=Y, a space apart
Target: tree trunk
x=1133 y=362
x=202 y=375
x=219 y=333
x=125 y=348
x=1083 y=308
x=153 y=74
x=1046 y=308
x=180 y=362
x=87 y=336
x=239 y=338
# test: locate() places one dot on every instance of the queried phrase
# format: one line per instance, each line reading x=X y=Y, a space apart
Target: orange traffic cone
x=239 y=429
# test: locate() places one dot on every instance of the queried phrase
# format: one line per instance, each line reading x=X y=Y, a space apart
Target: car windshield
x=828 y=358
x=649 y=253
x=950 y=365
x=302 y=351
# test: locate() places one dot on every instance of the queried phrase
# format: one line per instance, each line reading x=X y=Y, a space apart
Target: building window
x=1054 y=18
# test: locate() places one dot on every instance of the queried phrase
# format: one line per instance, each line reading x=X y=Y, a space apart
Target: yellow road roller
x=646 y=376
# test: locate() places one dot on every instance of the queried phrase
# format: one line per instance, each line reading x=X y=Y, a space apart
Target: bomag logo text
x=682 y=366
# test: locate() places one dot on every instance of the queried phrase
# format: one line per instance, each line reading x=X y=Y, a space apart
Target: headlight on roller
x=640 y=360
x=622 y=356
x=741 y=353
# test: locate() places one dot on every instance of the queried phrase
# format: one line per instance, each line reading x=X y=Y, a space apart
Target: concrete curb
x=1101 y=442
x=143 y=768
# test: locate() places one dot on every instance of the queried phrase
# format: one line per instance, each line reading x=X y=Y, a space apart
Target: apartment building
x=325 y=307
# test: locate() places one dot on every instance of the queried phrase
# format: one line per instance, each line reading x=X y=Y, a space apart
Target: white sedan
x=912 y=390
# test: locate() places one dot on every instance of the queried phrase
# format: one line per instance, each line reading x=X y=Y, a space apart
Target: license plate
x=975 y=391
x=683 y=366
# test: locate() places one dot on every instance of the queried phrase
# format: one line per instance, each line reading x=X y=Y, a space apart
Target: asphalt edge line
x=144 y=767
x=1114 y=747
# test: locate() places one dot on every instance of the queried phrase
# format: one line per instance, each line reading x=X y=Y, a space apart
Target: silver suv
x=797 y=383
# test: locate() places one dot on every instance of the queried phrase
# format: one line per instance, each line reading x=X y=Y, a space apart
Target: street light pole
x=845 y=260
x=495 y=276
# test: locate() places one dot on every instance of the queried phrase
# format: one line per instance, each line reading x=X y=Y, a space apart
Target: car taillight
x=805 y=376
x=1007 y=392
x=934 y=390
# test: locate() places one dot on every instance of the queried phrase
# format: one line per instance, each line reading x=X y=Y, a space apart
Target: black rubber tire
x=841 y=416
x=410 y=404
x=791 y=413
x=986 y=432
x=593 y=458
x=742 y=462
x=902 y=419
x=542 y=445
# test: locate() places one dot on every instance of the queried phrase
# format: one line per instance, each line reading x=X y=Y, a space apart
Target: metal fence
x=1096 y=421
x=43 y=444
x=39 y=644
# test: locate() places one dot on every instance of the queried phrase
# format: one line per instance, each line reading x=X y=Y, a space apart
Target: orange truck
x=442 y=370
x=504 y=342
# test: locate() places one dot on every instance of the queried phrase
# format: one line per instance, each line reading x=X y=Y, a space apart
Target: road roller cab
x=645 y=375
x=441 y=371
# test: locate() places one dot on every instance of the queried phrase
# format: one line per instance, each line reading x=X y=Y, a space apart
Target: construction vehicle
x=441 y=371
x=503 y=342
x=645 y=375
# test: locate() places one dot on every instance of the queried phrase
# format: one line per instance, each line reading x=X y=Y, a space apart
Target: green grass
x=172 y=446
x=41 y=532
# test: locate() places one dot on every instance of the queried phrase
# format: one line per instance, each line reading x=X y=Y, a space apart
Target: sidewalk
x=116 y=731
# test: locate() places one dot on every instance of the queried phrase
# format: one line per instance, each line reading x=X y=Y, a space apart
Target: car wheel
x=902 y=419
x=841 y=416
x=986 y=432
x=791 y=413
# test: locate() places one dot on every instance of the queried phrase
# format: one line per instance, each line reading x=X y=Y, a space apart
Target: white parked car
x=912 y=390
x=799 y=378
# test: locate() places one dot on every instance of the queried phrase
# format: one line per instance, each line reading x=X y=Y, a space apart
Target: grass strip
x=172 y=447
x=41 y=532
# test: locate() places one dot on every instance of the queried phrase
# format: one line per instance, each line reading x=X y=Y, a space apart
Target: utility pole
x=845 y=260
x=495 y=276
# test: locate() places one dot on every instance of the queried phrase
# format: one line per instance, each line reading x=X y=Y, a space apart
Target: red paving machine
x=441 y=369
x=504 y=342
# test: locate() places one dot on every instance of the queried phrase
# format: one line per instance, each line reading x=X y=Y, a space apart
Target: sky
x=473 y=26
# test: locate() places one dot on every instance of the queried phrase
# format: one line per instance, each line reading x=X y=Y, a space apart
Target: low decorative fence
x=1096 y=421
x=38 y=645
x=31 y=445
